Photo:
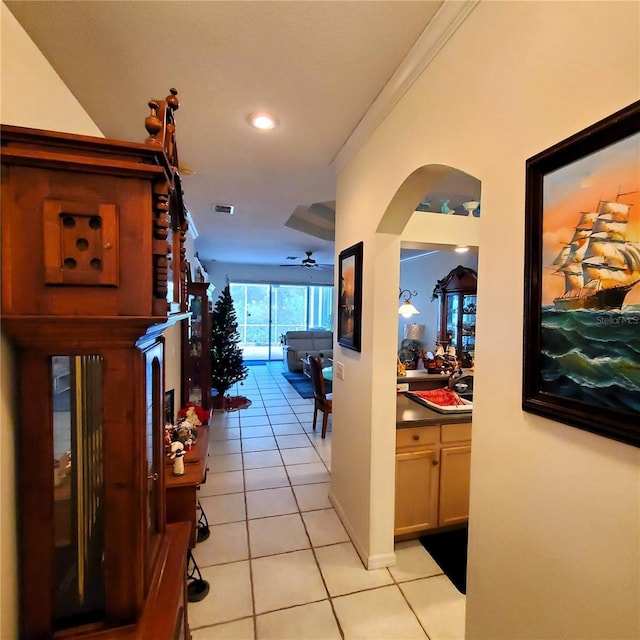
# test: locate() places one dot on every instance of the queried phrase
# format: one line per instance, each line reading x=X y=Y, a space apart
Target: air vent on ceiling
x=223 y=208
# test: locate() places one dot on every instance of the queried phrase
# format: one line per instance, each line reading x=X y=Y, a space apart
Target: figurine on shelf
x=185 y=432
x=177 y=455
x=168 y=435
x=202 y=414
x=192 y=416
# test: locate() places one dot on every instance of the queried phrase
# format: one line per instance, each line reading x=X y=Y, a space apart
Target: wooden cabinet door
x=416 y=491
x=455 y=467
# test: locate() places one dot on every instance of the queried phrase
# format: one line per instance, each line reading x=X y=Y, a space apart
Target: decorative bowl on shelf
x=470 y=206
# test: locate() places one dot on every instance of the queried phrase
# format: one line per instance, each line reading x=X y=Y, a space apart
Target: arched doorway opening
x=435 y=211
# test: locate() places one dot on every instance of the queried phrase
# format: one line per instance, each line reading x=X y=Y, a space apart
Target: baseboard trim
x=370 y=562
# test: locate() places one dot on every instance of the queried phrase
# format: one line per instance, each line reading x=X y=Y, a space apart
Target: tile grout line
x=312 y=547
x=299 y=512
x=306 y=529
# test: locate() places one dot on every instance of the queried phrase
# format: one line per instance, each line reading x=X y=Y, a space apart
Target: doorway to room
x=443 y=231
x=265 y=312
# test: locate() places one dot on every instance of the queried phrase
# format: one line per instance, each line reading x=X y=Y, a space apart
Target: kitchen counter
x=411 y=414
x=422 y=374
x=419 y=379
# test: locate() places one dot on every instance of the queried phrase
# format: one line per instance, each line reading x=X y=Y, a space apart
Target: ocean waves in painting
x=592 y=356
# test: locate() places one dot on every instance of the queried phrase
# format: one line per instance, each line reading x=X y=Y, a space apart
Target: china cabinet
x=457 y=321
x=197 y=345
x=86 y=264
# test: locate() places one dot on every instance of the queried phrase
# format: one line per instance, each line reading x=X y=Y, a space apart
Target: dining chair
x=322 y=399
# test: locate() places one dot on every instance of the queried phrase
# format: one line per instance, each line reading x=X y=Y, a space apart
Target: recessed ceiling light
x=462 y=249
x=186 y=169
x=263 y=120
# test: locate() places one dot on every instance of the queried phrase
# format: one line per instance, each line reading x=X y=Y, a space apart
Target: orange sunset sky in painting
x=348 y=278
x=580 y=186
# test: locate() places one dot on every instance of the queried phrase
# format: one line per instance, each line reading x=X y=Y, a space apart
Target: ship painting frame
x=350 y=297
x=606 y=400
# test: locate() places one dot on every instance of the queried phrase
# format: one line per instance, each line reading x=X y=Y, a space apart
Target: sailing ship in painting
x=590 y=343
x=599 y=265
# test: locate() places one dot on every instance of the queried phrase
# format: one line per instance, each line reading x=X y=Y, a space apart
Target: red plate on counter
x=442 y=400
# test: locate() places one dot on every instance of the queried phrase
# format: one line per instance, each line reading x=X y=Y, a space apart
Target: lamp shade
x=407 y=310
x=414 y=332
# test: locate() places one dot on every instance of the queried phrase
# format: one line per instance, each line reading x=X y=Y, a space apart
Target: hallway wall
x=555 y=518
x=34 y=99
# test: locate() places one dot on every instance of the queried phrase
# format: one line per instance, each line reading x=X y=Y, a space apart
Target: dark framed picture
x=582 y=280
x=350 y=297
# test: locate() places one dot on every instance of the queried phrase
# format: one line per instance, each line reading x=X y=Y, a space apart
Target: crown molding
x=443 y=25
x=193 y=232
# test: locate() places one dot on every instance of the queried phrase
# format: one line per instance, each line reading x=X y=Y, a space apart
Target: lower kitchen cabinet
x=416 y=491
x=455 y=467
x=432 y=477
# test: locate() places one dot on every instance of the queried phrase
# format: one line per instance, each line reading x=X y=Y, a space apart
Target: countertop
x=422 y=374
x=411 y=414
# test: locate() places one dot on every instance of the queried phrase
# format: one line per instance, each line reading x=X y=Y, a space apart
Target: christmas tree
x=227 y=364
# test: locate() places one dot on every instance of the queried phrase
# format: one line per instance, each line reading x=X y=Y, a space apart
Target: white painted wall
x=555 y=511
x=32 y=96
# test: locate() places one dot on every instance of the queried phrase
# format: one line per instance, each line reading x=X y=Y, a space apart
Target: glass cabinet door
x=468 y=326
x=154 y=445
x=453 y=317
x=194 y=375
x=196 y=350
x=78 y=496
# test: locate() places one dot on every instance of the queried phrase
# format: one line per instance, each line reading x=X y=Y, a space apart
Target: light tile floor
x=278 y=560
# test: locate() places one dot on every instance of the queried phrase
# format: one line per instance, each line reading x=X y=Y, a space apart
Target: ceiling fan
x=306 y=263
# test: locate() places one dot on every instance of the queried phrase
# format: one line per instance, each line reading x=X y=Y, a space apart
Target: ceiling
x=321 y=67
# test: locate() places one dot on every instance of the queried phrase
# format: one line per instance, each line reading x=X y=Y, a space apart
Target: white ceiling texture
x=329 y=70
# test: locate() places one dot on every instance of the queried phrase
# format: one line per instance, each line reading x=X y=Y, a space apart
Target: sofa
x=300 y=344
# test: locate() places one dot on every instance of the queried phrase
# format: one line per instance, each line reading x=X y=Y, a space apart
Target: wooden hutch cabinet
x=457 y=322
x=196 y=347
x=85 y=263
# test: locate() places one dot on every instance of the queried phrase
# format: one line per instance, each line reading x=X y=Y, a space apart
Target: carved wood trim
x=169 y=208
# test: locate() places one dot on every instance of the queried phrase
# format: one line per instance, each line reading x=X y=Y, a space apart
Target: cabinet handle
x=416 y=437
x=434 y=463
x=153 y=476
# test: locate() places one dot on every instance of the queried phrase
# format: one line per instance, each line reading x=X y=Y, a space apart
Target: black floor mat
x=449 y=550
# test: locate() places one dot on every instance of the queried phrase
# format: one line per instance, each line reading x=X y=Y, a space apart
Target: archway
x=433 y=211
x=434 y=184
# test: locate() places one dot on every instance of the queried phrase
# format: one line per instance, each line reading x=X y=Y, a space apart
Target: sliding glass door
x=265 y=312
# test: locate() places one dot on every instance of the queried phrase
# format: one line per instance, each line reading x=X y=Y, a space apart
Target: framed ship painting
x=582 y=280
x=350 y=297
